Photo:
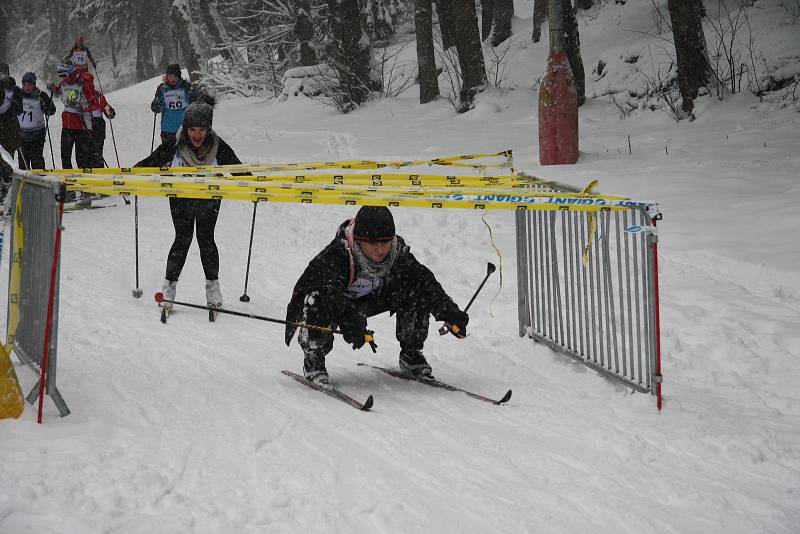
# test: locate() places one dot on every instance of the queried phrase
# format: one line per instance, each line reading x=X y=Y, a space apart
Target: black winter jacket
x=329 y=274
x=165 y=153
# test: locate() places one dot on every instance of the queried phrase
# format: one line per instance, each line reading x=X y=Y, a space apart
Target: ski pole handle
x=453 y=329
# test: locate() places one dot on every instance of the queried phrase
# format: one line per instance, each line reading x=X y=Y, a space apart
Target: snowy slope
x=191 y=427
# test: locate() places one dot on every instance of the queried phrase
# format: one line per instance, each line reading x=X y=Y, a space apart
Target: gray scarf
x=376 y=273
x=190 y=156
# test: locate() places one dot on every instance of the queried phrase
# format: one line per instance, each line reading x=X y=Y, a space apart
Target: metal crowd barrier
x=593 y=295
x=33 y=245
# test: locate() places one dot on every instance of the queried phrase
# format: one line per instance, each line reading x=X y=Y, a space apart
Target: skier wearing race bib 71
x=36 y=105
x=172 y=98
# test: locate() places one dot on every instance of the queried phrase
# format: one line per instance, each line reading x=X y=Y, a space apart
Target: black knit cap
x=4 y=68
x=374 y=223
x=198 y=115
x=174 y=69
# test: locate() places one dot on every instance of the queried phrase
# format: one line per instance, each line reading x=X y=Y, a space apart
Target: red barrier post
x=558 y=99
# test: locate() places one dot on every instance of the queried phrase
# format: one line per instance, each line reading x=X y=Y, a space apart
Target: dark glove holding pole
x=354 y=331
x=455 y=322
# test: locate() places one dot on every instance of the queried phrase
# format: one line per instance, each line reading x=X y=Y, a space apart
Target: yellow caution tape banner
x=452 y=161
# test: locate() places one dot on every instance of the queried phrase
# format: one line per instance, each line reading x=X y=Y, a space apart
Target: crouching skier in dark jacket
x=367 y=270
x=197 y=145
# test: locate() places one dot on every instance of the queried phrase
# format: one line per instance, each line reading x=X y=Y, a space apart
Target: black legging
x=31 y=152
x=185 y=211
x=84 y=149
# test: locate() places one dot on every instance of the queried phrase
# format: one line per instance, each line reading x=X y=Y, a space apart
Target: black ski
x=437 y=384
x=332 y=392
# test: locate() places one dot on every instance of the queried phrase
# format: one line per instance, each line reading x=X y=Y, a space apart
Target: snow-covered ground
x=191 y=427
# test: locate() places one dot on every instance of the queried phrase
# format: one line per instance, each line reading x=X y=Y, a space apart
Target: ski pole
x=368 y=337
x=110 y=122
x=50 y=137
x=245 y=297
x=446 y=327
x=127 y=202
x=153 y=140
x=136 y=292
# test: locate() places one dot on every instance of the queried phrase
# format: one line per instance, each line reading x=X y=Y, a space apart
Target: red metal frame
x=49 y=324
x=658 y=320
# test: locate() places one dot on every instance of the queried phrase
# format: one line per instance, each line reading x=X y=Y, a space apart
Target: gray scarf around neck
x=193 y=159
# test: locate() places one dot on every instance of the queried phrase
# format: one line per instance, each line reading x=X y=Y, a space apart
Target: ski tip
x=159 y=297
x=505 y=398
x=367 y=404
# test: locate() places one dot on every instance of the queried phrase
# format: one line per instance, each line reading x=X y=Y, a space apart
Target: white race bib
x=363 y=286
x=175 y=99
x=80 y=57
x=32 y=116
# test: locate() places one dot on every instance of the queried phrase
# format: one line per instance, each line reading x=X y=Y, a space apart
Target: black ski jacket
x=330 y=271
x=165 y=153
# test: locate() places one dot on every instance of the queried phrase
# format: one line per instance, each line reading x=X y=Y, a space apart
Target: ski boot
x=414 y=363
x=213 y=298
x=168 y=288
x=314 y=369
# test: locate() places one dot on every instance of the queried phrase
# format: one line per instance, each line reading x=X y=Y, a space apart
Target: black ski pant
x=167 y=136
x=31 y=152
x=188 y=213
x=412 y=318
x=84 y=149
x=98 y=141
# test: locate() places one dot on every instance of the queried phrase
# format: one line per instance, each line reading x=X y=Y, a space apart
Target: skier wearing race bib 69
x=35 y=106
x=172 y=98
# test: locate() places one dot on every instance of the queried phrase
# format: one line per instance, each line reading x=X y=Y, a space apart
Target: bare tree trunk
x=215 y=28
x=572 y=44
x=444 y=12
x=113 y=47
x=539 y=16
x=487 y=17
x=583 y=4
x=426 y=61
x=144 y=49
x=501 y=29
x=187 y=39
x=351 y=55
x=58 y=44
x=5 y=28
x=690 y=49
x=304 y=32
x=166 y=37
x=470 y=53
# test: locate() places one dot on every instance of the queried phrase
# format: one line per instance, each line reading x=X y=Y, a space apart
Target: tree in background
x=304 y=33
x=690 y=49
x=426 y=61
x=572 y=44
x=539 y=16
x=470 y=53
x=349 y=54
x=502 y=13
x=445 y=14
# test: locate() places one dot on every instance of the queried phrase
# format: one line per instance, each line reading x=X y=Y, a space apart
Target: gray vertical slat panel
x=557 y=309
x=523 y=293
x=621 y=292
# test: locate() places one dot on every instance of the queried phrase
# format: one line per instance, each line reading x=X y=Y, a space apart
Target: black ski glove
x=457 y=321
x=354 y=330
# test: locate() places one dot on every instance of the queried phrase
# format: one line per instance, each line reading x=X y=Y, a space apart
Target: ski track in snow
x=191 y=427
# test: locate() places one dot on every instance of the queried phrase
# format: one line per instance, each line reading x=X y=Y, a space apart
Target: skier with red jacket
x=79 y=96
